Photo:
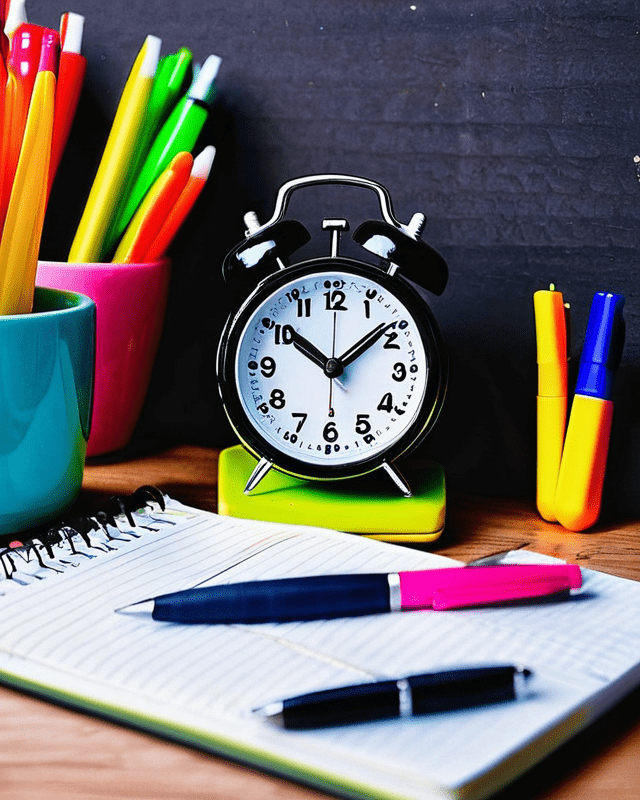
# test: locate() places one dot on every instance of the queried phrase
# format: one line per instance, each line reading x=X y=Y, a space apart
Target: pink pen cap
x=469 y=586
x=49 y=51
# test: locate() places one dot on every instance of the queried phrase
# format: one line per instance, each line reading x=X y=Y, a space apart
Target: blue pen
x=584 y=458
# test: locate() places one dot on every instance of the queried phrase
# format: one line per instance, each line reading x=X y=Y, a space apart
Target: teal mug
x=46 y=392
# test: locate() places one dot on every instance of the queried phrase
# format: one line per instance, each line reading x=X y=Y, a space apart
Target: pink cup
x=130 y=305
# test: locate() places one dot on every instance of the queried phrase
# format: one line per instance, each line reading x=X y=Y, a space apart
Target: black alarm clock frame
x=332 y=367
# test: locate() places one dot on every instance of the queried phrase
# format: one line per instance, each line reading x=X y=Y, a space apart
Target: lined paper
x=60 y=630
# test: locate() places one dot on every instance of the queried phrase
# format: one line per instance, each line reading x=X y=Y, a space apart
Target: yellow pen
x=584 y=460
x=118 y=153
x=25 y=215
x=551 y=338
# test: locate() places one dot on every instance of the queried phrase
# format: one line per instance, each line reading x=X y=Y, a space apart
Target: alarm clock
x=332 y=367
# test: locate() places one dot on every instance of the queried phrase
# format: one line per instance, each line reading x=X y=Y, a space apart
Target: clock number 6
x=330 y=432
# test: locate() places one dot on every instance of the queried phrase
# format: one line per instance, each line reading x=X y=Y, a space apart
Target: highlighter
x=584 y=460
x=179 y=133
x=551 y=408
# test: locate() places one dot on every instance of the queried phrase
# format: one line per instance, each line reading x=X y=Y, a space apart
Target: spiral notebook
x=61 y=639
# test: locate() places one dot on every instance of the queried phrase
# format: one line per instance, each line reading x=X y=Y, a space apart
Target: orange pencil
x=199 y=174
x=71 y=73
x=153 y=211
x=24 y=58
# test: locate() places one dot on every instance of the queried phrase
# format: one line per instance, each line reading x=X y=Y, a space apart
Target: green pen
x=173 y=77
x=179 y=133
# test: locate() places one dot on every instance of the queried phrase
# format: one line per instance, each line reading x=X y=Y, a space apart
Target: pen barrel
x=342 y=706
x=551 y=422
x=418 y=694
x=552 y=378
x=447 y=691
x=584 y=461
x=287 y=599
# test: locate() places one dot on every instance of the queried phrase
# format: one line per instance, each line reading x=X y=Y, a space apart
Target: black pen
x=417 y=694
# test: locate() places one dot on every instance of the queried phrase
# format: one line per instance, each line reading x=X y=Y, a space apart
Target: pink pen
x=352 y=595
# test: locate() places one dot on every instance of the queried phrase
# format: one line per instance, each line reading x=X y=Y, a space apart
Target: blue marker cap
x=603 y=343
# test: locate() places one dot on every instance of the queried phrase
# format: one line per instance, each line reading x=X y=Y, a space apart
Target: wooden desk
x=50 y=753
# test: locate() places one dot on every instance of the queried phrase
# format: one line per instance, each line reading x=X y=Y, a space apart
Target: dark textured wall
x=513 y=126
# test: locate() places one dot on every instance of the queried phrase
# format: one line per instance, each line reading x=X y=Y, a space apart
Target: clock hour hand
x=362 y=345
x=309 y=350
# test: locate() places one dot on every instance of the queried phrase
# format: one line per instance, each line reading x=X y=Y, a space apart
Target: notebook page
x=64 y=631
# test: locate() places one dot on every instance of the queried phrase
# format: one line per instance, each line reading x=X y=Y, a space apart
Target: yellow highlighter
x=584 y=460
x=119 y=151
x=551 y=338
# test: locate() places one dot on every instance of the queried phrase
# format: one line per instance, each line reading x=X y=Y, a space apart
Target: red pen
x=71 y=74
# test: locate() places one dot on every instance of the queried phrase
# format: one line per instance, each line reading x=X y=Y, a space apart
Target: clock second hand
x=333 y=355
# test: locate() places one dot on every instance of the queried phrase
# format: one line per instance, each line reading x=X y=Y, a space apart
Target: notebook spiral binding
x=50 y=547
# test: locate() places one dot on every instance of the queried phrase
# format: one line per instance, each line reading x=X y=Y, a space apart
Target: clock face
x=329 y=370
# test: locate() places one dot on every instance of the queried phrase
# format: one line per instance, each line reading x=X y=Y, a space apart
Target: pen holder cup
x=130 y=306
x=46 y=387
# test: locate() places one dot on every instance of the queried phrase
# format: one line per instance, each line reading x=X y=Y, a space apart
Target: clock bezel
x=415 y=433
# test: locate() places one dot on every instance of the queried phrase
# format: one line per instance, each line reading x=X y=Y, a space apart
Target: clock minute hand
x=362 y=345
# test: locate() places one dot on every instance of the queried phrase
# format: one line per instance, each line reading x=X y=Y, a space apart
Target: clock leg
x=262 y=467
x=395 y=475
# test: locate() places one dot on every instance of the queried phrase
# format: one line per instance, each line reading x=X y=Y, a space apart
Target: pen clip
x=466 y=597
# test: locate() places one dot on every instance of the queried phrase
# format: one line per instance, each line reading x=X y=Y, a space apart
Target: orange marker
x=148 y=219
x=199 y=174
x=71 y=73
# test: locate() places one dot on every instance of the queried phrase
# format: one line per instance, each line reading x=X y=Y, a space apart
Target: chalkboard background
x=513 y=126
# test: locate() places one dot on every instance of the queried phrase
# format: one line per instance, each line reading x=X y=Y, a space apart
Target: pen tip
x=141 y=608
x=272 y=712
x=71 y=31
x=203 y=85
x=151 y=57
x=203 y=162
